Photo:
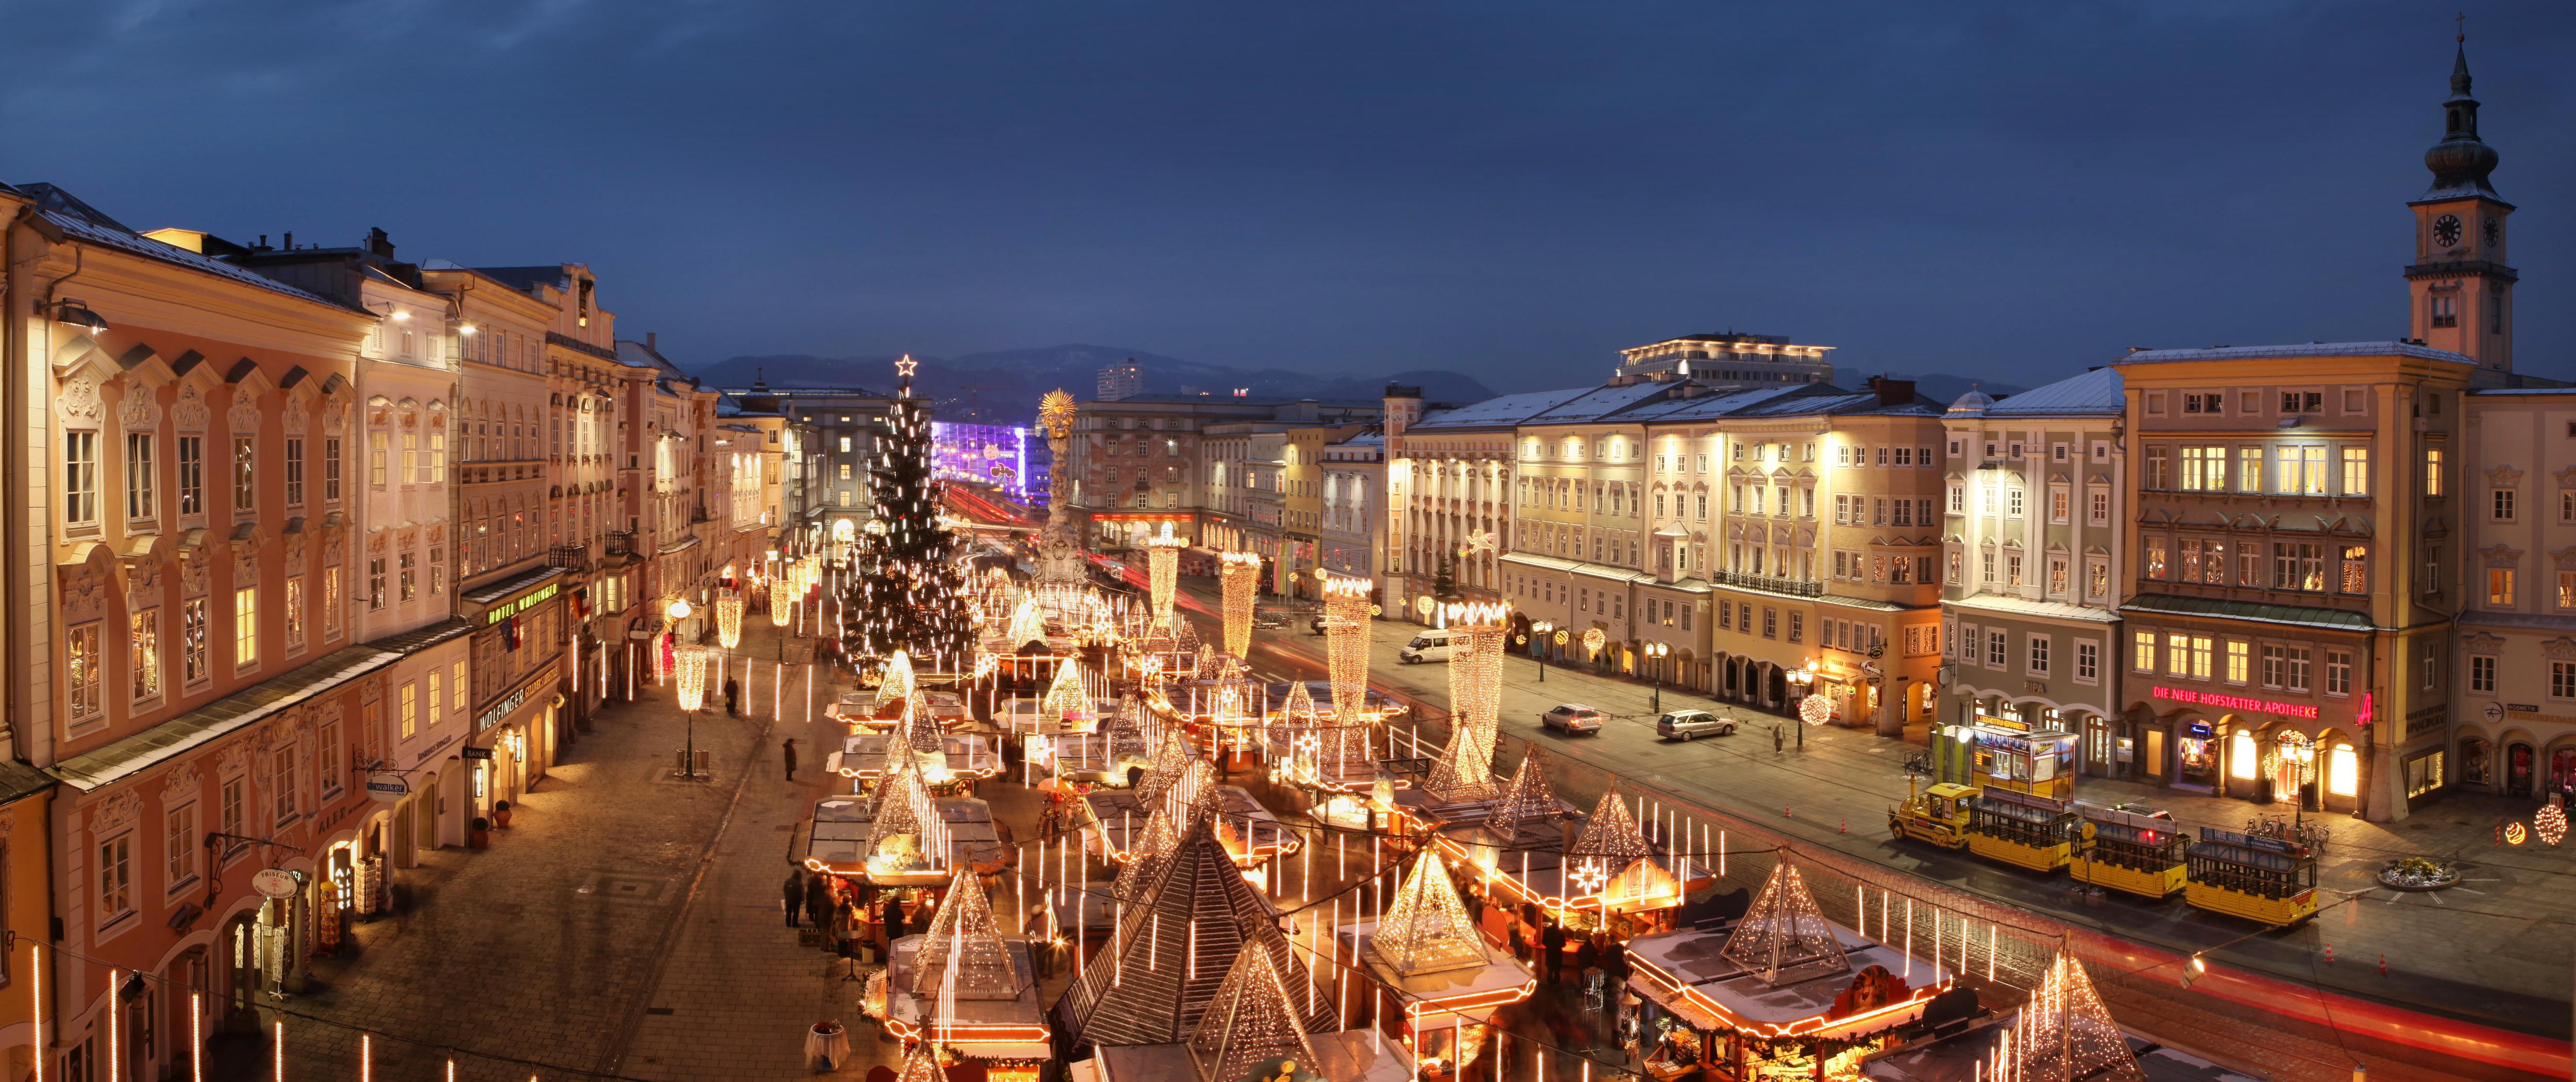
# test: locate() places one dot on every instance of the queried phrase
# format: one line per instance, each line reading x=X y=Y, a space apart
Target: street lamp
x=1803 y=679
x=1656 y=652
x=2302 y=754
x=1541 y=629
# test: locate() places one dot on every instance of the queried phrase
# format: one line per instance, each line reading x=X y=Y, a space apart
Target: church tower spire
x=2459 y=285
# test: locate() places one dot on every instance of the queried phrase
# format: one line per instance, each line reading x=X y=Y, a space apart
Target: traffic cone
x=2329 y=954
x=1845 y=828
x=2383 y=964
x=1785 y=813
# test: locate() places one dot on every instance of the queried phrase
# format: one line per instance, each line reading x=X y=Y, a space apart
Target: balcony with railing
x=569 y=557
x=618 y=542
x=1771 y=583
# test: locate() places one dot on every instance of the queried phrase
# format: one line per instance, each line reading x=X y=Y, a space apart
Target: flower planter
x=2419 y=874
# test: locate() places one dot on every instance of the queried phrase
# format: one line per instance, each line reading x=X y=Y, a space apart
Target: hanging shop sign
x=273 y=882
x=470 y=753
x=388 y=787
x=2237 y=702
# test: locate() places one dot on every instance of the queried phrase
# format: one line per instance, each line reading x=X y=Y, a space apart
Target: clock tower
x=2459 y=287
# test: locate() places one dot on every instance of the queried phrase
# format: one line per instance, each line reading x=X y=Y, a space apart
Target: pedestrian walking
x=845 y=929
x=789 y=749
x=818 y=900
x=1552 y=941
x=795 y=894
x=733 y=698
x=1775 y=739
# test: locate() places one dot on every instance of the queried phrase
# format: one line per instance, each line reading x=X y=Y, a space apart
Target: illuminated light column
x=1239 y=572
x=692 y=665
x=729 y=618
x=1346 y=644
x=782 y=597
x=1465 y=770
x=1163 y=562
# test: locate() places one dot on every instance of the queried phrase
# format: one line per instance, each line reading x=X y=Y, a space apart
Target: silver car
x=1692 y=724
x=1575 y=718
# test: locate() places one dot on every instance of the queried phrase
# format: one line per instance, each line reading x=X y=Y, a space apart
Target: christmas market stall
x=969 y=986
x=2064 y=1033
x=1253 y=1031
x=1609 y=878
x=1101 y=756
x=1781 y=994
x=1182 y=914
x=900 y=836
x=1438 y=983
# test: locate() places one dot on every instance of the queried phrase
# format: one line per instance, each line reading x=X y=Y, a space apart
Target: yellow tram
x=2023 y=830
x=2128 y=852
x=2266 y=880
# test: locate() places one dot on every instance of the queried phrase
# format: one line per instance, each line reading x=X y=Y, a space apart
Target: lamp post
x=2303 y=755
x=678 y=612
x=1540 y=630
x=1803 y=679
x=1656 y=653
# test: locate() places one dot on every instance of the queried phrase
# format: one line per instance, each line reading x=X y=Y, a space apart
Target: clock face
x=2446 y=230
x=2491 y=230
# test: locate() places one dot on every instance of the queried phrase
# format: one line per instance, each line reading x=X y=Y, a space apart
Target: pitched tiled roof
x=83 y=222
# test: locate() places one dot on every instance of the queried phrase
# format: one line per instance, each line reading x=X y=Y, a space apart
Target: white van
x=1431 y=645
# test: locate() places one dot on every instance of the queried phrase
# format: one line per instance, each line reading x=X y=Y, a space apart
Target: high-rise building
x=1123 y=380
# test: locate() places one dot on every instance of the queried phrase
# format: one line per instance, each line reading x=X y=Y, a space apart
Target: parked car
x=1574 y=718
x=1316 y=625
x=1431 y=645
x=1692 y=724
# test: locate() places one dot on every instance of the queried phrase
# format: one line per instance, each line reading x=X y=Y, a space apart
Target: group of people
x=851 y=916
x=1546 y=945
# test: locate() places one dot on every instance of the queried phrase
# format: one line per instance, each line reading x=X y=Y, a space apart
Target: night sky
x=2007 y=190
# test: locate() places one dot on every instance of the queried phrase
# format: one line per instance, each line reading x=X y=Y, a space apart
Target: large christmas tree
x=907 y=593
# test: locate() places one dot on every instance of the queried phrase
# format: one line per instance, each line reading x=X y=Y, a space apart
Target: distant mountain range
x=1003 y=387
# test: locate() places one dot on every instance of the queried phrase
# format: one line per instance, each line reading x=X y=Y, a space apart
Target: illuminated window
x=2240 y=661
x=410 y=710
x=2343 y=771
x=2356 y=471
x=192 y=640
x=245 y=627
x=82 y=656
x=2432 y=471
x=2500 y=587
x=2241 y=756
x=2142 y=655
x=143 y=644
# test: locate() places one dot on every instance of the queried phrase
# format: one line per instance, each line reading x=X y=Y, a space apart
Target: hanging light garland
x=692 y=661
x=729 y=618
x=1239 y=573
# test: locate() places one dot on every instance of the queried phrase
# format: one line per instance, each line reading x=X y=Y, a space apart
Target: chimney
x=649 y=338
x=379 y=244
x=1892 y=392
x=290 y=242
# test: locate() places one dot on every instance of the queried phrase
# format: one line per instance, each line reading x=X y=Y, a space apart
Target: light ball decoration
x=1592 y=640
x=1425 y=605
x=1346 y=644
x=2550 y=824
x=1163 y=567
x=729 y=618
x=692 y=671
x=1815 y=710
x=1239 y=573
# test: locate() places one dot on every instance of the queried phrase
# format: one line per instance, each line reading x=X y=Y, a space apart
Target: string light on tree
x=906 y=592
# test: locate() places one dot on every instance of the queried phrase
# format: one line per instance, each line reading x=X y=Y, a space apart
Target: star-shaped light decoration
x=1590 y=877
x=905 y=365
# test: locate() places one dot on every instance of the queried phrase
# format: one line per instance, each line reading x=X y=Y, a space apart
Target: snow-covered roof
x=1502 y=411
x=2094 y=394
x=2310 y=349
x=86 y=224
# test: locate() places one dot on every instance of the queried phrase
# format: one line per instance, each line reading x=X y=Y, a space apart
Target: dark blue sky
x=2008 y=190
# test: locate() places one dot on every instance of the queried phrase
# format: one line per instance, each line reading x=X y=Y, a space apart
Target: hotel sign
x=521 y=603
x=2237 y=702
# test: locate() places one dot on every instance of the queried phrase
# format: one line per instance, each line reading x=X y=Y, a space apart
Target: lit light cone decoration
x=2066 y=1034
x=728 y=618
x=1784 y=933
x=1028 y=625
x=1127 y=729
x=782 y=597
x=1206 y=668
x=1465 y=771
x=965 y=936
x=1529 y=799
x=1252 y=1021
x=1295 y=717
x=1185 y=636
x=1607 y=846
x=921 y=1064
x=1163 y=565
x=907 y=834
x=692 y=664
x=1066 y=695
x=1426 y=930
x=1239 y=573
x=1165 y=768
x=1346 y=645
x=896 y=684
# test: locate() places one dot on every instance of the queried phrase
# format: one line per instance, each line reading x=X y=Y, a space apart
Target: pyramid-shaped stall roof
x=1529 y=799
x=1189 y=919
x=1426 y=929
x=1783 y=936
x=965 y=929
x=1253 y=1020
x=2067 y=1035
x=1612 y=835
